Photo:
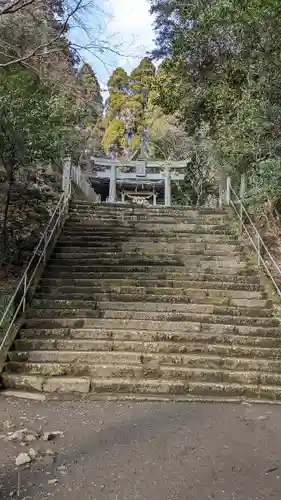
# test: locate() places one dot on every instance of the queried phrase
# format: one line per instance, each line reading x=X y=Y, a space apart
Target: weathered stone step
x=157 y=221
x=127 y=247
x=128 y=261
x=200 y=280
x=24 y=348
x=136 y=388
x=149 y=231
x=82 y=317
x=201 y=318
x=161 y=287
x=86 y=252
x=66 y=385
x=61 y=308
x=252 y=338
x=141 y=372
x=150 y=360
x=174 y=387
x=93 y=238
x=56 y=300
x=135 y=209
x=120 y=211
x=170 y=326
x=178 y=271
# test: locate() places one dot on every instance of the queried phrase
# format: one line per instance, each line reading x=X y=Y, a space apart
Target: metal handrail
x=41 y=255
x=259 y=243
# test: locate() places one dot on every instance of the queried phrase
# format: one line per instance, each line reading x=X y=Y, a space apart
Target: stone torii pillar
x=168 y=197
x=112 y=185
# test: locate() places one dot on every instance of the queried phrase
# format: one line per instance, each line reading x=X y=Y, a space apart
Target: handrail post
x=258 y=248
x=242 y=187
x=228 y=190
x=45 y=248
x=24 y=292
x=66 y=178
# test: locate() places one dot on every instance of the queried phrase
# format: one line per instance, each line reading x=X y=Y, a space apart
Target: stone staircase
x=148 y=303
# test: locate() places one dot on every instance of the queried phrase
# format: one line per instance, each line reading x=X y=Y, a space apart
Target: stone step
x=110 y=262
x=24 y=348
x=81 y=318
x=49 y=300
x=178 y=271
x=136 y=388
x=66 y=385
x=127 y=247
x=93 y=238
x=192 y=296
x=134 y=209
x=258 y=337
x=193 y=331
x=264 y=364
x=199 y=280
x=62 y=308
x=194 y=324
x=142 y=372
x=74 y=259
x=174 y=387
x=159 y=221
x=149 y=231
x=161 y=287
x=86 y=252
x=147 y=212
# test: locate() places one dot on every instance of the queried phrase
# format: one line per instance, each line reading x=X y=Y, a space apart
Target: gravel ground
x=165 y=451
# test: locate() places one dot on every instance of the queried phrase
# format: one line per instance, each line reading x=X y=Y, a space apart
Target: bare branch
x=43 y=46
x=11 y=8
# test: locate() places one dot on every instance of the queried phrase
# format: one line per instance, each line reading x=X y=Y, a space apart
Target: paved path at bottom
x=145 y=451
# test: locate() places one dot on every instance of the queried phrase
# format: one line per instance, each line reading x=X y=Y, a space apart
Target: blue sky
x=126 y=25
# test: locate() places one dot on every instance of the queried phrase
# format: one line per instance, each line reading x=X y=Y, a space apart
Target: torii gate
x=161 y=172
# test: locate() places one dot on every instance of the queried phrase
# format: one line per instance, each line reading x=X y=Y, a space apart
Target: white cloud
x=131 y=27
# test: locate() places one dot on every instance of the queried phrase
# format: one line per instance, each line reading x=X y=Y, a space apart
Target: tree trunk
x=4 y=232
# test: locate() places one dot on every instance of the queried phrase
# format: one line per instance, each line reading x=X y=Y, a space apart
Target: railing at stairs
x=18 y=301
x=264 y=256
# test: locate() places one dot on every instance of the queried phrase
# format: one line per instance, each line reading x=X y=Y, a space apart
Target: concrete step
x=254 y=337
x=151 y=360
x=24 y=348
x=149 y=324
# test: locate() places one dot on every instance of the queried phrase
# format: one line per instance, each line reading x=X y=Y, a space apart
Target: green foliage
x=91 y=93
x=35 y=122
x=127 y=102
x=36 y=130
x=226 y=55
x=113 y=140
x=118 y=81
